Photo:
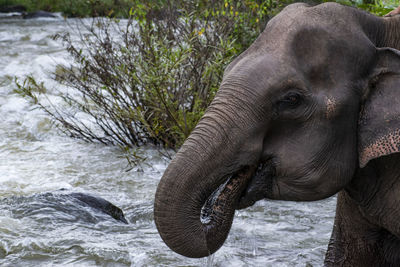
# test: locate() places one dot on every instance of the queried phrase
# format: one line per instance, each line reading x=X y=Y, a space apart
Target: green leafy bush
x=378 y=7
x=76 y=8
x=150 y=78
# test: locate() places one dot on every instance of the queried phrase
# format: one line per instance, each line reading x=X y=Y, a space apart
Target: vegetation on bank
x=149 y=79
x=75 y=8
x=378 y=7
x=120 y=8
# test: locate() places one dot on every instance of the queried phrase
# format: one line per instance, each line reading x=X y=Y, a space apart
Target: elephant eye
x=290 y=100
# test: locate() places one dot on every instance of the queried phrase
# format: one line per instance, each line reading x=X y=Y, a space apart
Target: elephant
x=310 y=109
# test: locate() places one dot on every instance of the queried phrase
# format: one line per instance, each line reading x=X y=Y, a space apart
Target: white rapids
x=36 y=158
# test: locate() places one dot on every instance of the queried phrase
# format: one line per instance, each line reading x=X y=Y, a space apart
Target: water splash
x=254 y=242
x=210 y=260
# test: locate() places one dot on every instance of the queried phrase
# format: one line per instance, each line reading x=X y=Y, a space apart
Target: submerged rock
x=19 y=12
x=63 y=207
x=39 y=14
x=100 y=204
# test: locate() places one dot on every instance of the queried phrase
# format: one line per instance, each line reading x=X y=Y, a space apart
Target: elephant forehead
x=262 y=71
x=298 y=44
x=314 y=33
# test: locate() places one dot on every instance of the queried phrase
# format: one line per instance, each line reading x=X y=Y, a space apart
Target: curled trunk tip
x=196 y=224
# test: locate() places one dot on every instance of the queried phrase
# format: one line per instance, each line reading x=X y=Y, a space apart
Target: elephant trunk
x=197 y=225
x=196 y=198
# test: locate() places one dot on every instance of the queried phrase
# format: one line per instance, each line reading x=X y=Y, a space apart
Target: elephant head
x=294 y=119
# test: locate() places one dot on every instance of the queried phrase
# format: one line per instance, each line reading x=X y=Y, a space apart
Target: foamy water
x=35 y=158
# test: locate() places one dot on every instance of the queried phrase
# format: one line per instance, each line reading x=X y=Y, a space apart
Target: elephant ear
x=379 y=122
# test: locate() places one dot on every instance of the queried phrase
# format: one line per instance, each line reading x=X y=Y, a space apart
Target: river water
x=35 y=158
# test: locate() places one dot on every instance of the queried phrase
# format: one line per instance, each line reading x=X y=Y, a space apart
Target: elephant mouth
x=259 y=187
x=240 y=190
x=225 y=198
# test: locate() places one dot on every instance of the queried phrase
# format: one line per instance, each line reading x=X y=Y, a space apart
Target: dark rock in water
x=101 y=204
x=10 y=15
x=19 y=11
x=12 y=9
x=39 y=14
x=62 y=206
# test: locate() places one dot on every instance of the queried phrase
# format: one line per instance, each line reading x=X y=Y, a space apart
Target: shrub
x=75 y=8
x=378 y=7
x=151 y=77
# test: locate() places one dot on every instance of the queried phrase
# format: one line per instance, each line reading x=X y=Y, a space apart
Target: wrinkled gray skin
x=312 y=108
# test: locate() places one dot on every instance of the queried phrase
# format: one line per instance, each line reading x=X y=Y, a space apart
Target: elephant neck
x=355 y=241
x=367 y=230
x=374 y=189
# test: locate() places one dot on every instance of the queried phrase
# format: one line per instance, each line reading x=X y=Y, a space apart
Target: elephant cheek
x=331 y=104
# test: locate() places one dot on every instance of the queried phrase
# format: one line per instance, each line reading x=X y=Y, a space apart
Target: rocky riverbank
x=20 y=12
